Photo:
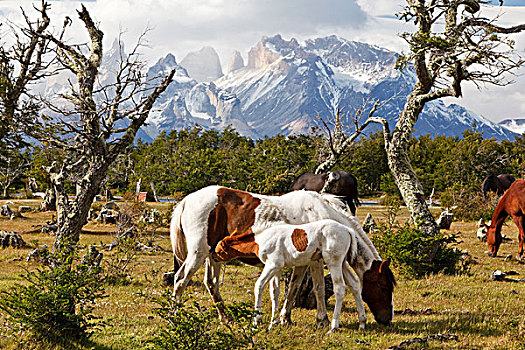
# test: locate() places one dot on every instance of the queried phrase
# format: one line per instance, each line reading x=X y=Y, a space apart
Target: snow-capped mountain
x=287 y=85
x=284 y=88
x=514 y=125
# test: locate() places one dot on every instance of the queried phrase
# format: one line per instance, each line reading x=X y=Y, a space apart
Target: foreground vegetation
x=481 y=312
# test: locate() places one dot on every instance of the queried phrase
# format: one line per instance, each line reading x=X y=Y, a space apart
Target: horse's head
x=493 y=240
x=378 y=290
x=331 y=182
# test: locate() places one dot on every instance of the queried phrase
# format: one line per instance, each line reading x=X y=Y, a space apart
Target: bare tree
x=101 y=122
x=22 y=63
x=466 y=48
x=451 y=45
x=14 y=164
x=339 y=140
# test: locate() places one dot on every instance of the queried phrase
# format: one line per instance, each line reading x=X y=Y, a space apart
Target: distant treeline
x=180 y=162
x=183 y=161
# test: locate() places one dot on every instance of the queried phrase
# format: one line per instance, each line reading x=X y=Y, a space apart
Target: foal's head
x=378 y=290
x=237 y=246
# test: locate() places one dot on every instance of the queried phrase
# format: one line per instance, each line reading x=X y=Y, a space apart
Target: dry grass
x=482 y=313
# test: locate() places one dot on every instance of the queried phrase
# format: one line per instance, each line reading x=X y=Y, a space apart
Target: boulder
x=481 y=233
x=369 y=225
x=6 y=211
x=11 y=240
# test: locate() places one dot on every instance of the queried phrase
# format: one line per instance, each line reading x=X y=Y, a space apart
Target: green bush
x=55 y=306
x=192 y=327
x=415 y=253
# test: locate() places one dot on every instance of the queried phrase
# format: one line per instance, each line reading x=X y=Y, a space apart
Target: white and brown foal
x=300 y=245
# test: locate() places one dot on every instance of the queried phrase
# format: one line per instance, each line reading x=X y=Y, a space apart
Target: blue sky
x=509 y=2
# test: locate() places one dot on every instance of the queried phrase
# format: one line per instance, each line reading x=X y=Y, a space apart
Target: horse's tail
x=355 y=195
x=351 y=255
x=178 y=240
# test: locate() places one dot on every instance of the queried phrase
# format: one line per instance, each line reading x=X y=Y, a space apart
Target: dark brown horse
x=339 y=183
x=512 y=203
x=498 y=184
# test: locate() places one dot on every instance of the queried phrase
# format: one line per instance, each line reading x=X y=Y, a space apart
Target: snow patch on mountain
x=514 y=125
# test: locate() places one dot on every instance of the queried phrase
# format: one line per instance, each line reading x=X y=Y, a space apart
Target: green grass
x=482 y=313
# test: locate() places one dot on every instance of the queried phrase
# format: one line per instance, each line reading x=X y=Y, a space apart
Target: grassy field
x=483 y=314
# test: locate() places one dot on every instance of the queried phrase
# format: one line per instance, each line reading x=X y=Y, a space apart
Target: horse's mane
x=338 y=205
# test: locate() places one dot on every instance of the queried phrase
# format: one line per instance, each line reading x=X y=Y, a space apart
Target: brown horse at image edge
x=511 y=203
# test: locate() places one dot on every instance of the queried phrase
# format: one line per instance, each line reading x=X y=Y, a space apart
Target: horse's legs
x=269 y=271
x=316 y=269
x=192 y=263
x=353 y=283
x=274 y=295
x=519 y=220
x=350 y=205
x=293 y=287
x=211 y=280
x=339 y=291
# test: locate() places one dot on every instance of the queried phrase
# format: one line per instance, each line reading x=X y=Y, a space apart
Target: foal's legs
x=295 y=281
x=270 y=270
x=355 y=286
x=316 y=269
x=339 y=291
x=274 y=295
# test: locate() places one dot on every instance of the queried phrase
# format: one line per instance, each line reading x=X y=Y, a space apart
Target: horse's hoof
x=361 y=327
x=332 y=330
x=323 y=323
x=286 y=320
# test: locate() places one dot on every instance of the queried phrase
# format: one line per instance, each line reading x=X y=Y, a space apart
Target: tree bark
x=410 y=189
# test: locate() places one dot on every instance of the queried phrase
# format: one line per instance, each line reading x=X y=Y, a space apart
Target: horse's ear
x=384 y=264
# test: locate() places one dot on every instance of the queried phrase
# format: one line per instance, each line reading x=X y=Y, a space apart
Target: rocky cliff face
x=203 y=65
x=287 y=85
x=236 y=62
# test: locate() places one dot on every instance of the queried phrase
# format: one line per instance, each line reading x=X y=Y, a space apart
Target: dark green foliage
x=367 y=161
x=185 y=161
x=192 y=327
x=415 y=253
x=56 y=304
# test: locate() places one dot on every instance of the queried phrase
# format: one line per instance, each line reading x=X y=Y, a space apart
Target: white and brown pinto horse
x=301 y=245
x=205 y=217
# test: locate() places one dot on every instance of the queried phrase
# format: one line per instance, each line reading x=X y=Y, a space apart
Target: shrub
x=469 y=204
x=56 y=305
x=136 y=227
x=192 y=327
x=416 y=253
